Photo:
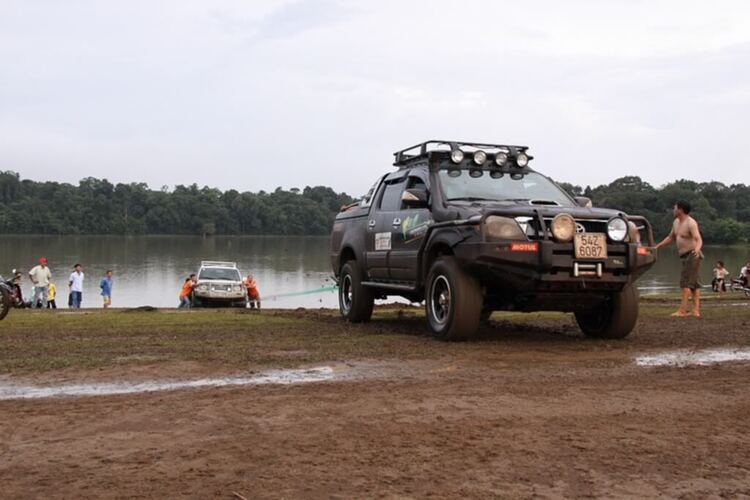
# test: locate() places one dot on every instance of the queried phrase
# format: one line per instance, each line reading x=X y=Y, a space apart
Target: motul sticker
x=382 y=241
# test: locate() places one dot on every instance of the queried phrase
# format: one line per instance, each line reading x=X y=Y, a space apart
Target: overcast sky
x=258 y=94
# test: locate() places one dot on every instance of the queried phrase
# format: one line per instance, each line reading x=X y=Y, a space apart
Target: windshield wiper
x=535 y=201
x=470 y=198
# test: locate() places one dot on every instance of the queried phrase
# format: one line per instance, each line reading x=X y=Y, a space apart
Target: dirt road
x=530 y=410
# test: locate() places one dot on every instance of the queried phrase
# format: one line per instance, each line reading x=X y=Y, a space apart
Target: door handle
x=371 y=223
x=396 y=221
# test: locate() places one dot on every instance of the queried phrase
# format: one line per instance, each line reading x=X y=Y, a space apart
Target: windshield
x=218 y=273
x=482 y=185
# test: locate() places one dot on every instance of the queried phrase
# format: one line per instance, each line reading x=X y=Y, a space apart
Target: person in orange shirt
x=186 y=294
x=253 y=295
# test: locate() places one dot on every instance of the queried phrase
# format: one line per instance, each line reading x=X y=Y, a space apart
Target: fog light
x=522 y=160
x=480 y=157
x=563 y=228
x=500 y=159
x=457 y=156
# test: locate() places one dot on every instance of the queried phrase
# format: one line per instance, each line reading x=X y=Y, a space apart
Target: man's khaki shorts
x=691 y=267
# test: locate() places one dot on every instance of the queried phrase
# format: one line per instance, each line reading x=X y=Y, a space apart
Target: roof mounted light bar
x=477 y=152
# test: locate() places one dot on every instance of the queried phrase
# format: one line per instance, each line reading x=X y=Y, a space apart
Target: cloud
x=252 y=95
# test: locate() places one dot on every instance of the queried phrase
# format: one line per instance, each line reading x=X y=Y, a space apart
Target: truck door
x=380 y=227
x=409 y=227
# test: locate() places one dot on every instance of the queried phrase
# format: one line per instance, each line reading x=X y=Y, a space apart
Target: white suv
x=219 y=283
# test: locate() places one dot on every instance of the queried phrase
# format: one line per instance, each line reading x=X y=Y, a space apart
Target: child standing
x=106 y=285
x=51 y=294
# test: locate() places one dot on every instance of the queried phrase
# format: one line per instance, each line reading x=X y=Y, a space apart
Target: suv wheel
x=615 y=318
x=355 y=300
x=453 y=301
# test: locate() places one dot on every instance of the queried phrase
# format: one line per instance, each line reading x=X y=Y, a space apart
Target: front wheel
x=615 y=318
x=355 y=301
x=5 y=302
x=453 y=301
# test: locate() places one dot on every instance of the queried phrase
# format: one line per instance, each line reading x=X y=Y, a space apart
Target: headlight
x=563 y=228
x=237 y=288
x=480 y=157
x=617 y=229
x=502 y=228
x=202 y=288
x=500 y=159
x=457 y=156
x=522 y=160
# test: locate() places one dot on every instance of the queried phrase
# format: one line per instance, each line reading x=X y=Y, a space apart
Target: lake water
x=290 y=271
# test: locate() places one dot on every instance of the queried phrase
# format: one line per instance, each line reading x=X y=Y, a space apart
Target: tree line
x=96 y=206
x=722 y=212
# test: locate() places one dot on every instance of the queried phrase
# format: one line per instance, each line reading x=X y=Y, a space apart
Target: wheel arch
x=435 y=248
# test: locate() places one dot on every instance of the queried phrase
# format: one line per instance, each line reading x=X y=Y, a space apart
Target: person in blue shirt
x=106 y=285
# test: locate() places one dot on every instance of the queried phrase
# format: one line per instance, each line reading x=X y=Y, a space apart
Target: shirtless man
x=689 y=244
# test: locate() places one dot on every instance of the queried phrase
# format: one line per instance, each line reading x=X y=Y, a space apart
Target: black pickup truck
x=470 y=228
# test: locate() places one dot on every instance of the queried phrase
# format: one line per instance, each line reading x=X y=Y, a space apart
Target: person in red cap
x=40 y=275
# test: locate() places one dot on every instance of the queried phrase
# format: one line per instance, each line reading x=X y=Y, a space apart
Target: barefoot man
x=689 y=244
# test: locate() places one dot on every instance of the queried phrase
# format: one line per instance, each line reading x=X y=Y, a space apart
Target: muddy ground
x=531 y=409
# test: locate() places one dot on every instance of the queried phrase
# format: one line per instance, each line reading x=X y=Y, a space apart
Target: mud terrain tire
x=613 y=319
x=453 y=301
x=355 y=300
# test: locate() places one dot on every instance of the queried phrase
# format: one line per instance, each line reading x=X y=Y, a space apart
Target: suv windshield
x=218 y=273
x=483 y=185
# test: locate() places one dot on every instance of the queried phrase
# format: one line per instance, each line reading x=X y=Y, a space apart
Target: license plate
x=590 y=245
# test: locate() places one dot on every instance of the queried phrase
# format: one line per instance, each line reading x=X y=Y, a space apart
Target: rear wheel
x=453 y=301
x=5 y=302
x=355 y=301
x=615 y=318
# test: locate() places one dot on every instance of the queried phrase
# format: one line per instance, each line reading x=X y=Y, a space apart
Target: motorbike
x=10 y=295
x=7 y=293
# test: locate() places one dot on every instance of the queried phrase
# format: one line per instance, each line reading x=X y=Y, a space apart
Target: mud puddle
x=9 y=390
x=693 y=358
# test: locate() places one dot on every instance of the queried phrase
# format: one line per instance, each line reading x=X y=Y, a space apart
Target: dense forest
x=96 y=206
x=722 y=212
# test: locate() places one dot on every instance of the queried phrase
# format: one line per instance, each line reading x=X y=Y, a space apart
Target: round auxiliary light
x=617 y=229
x=563 y=228
x=500 y=159
x=457 y=156
x=522 y=160
x=480 y=157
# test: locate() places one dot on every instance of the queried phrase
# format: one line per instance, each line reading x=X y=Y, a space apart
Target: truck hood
x=521 y=209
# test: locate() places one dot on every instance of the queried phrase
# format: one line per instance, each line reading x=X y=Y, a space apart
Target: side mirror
x=583 y=201
x=415 y=198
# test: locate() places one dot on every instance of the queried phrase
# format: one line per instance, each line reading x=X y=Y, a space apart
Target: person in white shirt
x=75 y=283
x=40 y=276
x=745 y=274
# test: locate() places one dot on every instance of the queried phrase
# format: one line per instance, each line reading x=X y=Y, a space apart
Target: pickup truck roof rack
x=422 y=150
x=217 y=263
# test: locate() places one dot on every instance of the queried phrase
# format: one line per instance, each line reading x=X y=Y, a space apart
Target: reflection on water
x=149 y=270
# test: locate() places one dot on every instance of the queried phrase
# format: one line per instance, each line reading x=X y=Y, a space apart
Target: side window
x=391 y=200
x=367 y=199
